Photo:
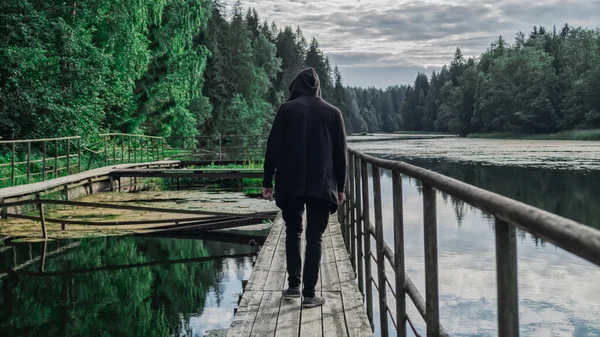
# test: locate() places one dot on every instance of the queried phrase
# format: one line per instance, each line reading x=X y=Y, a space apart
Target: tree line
x=184 y=68
x=546 y=81
x=168 y=68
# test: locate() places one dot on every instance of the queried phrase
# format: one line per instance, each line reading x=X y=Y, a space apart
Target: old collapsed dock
x=263 y=312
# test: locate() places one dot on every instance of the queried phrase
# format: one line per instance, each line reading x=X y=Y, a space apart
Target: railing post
x=352 y=207
x=506 y=271
x=68 y=156
x=347 y=206
x=129 y=149
x=359 y=231
x=122 y=149
x=399 y=254
x=28 y=162
x=152 y=148
x=367 y=239
x=431 y=263
x=44 y=163
x=134 y=151
x=114 y=141
x=56 y=159
x=12 y=165
x=105 y=151
x=163 y=148
x=380 y=251
x=79 y=154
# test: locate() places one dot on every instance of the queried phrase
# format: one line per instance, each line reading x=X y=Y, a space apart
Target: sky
x=387 y=42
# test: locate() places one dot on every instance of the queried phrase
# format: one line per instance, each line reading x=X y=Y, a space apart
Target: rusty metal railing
x=509 y=214
x=29 y=159
x=219 y=147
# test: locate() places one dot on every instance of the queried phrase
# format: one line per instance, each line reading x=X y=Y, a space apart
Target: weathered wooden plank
x=356 y=317
x=16 y=191
x=334 y=322
x=277 y=270
x=259 y=275
x=242 y=324
x=266 y=317
x=250 y=301
x=329 y=274
x=312 y=321
x=288 y=322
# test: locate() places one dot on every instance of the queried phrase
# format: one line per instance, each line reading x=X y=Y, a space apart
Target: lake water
x=559 y=294
x=122 y=286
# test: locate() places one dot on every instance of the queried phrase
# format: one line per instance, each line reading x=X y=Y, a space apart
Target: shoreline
x=580 y=135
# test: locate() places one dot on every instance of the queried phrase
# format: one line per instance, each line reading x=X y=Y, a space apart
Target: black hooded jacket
x=306 y=150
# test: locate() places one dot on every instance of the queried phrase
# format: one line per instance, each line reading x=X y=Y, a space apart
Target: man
x=306 y=152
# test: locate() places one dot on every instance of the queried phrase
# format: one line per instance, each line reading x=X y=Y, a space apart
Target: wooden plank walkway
x=263 y=312
x=22 y=190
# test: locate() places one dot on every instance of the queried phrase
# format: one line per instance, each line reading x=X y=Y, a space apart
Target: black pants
x=317 y=216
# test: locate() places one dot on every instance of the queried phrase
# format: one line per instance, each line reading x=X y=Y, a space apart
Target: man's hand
x=341 y=198
x=267 y=193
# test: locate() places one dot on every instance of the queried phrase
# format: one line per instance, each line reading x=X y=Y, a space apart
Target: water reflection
x=559 y=294
x=121 y=287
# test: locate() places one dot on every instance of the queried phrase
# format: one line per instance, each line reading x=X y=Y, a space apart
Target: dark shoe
x=313 y=302
x=292 y=293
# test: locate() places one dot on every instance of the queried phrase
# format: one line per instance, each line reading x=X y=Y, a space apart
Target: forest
x=185 y=68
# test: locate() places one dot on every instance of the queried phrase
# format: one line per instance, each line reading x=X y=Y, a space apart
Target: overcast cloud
x=386 y=42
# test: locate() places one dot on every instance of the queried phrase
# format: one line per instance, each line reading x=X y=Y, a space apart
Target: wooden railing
x=509 y=214
x=64 y=157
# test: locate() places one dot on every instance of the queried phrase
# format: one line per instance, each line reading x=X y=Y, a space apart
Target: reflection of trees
x=149 y=301
x=571 y=194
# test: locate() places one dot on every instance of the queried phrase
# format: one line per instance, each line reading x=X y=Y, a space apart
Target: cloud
x=417 y=34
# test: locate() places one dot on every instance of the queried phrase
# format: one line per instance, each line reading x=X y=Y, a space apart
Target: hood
x=306 y=83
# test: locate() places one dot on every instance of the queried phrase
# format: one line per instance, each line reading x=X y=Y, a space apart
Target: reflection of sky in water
x=218 y=309
x=559 y=294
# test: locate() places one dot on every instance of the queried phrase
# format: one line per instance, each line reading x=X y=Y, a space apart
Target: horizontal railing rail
x=509 y=214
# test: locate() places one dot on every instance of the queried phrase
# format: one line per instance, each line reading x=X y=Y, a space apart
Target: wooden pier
x=263 y=312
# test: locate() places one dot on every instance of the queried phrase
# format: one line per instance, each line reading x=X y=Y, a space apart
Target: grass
x=592 y=134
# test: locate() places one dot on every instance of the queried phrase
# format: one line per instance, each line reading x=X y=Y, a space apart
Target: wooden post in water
x=44 y=256
x=359 y=230
x=43 y=220
x=380 y=251
x=506 y=271
x=431 y=263
x=28 y=162
x=12 y=165
x=44 y=163
x=399 y=254
x=367 y=239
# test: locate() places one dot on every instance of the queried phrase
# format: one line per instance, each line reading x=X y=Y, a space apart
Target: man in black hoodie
x=306 y=152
